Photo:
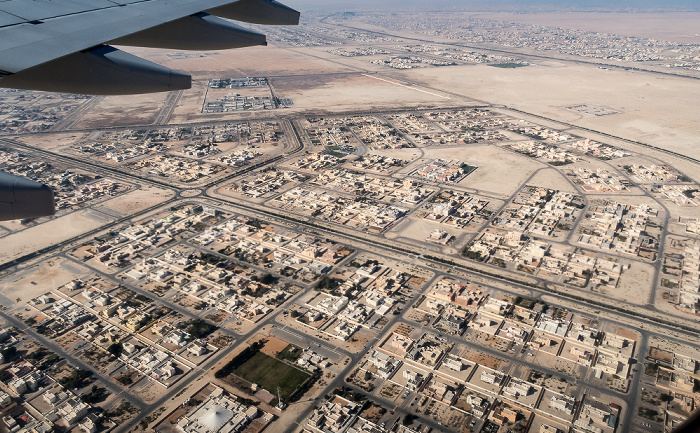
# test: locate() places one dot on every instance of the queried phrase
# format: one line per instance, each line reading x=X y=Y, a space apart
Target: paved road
x=168 y=107
x=207 y=366
x=70 y=119
x=355 y=358
x=58 y=350
x=386 y=247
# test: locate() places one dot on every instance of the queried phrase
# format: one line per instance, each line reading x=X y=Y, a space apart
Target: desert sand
x=634 y=285
x=79 y=222
x=654 y=109
x=123 y=110
x=39 y=279
x=552 y=179
x=643 y=24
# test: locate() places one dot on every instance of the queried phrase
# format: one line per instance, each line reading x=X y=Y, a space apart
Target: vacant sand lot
x=654 y=109
x=75 y=223
x=359 y=93
x=40 y=279
x=552 y=179
x=53 y=141
x=635 y=284
x=123 y=110
x=684 y=26
x=250 y=62
x=48 y=233
x=499 y=171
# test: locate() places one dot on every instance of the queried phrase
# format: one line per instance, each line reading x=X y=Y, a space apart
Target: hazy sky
x=353 y=5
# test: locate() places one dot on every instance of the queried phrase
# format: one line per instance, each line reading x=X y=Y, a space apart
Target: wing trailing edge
x=198 y=32
x=101 y=69
x=267 y=12
x=104 y=70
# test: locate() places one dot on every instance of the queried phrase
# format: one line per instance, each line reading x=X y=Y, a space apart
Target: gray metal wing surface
x=63 y=45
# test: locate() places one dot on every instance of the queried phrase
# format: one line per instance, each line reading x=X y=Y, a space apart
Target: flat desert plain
x=660 y=110
x=654 y=109
x=651 y=25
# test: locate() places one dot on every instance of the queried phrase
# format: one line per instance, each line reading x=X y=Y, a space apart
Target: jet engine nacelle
x=23 y=198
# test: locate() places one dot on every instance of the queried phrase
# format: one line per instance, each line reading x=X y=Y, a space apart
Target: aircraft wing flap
x=41 y=39
x=34 y=46
x=25 y=45
x=9 y=19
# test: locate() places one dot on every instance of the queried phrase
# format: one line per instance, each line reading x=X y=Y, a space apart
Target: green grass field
x=508 y=65
x=290 y=353
x=269 y=373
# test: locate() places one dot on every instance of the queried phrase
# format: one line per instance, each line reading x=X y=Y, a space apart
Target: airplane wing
x=64 y=45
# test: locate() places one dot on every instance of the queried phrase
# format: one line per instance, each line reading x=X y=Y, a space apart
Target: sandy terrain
x=481 y=358
x=49 y=233
x=684 y=211
x=53 y=141
x=419 y=229
x=357 y=92
x=253 y=61
x=39 y=279
x=553 y=179
x=631 y=200
x=500 y=171
x=405 y=154
x=650 y=25
x=654 y=109
x=272 y=347
x=123 y=110
x=75 y=223
x=662 y=343
x=248 y=62
x=191 y=102
x=136 y=200
x=297 y=74
x=635 y=284
x=678 y=229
